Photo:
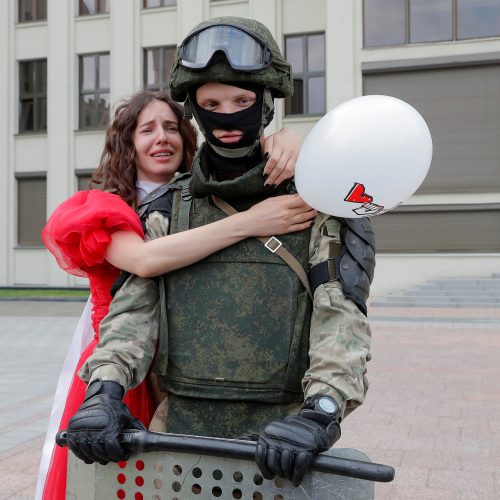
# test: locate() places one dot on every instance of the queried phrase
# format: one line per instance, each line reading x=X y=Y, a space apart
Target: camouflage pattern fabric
x=339 y=340
x=231 y=419
x=339 y=336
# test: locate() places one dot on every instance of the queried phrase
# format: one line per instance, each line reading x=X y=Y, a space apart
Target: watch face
x=328 y=405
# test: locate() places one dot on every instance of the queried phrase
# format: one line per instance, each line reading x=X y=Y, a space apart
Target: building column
x=6 y=167
x=189 y=14
x=340 y=52
x=125 y=51
x=269 y=14
x=61 y=88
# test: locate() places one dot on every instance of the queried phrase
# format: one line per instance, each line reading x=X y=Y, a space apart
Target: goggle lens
x=243 y=52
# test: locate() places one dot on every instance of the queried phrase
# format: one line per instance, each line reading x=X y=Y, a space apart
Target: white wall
x=124 y=33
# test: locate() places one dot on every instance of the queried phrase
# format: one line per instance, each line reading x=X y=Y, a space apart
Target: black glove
x=94 y=430
x=286 y=447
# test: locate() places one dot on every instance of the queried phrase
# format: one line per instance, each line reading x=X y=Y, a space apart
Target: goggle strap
x=267 y=102
x=190 y=112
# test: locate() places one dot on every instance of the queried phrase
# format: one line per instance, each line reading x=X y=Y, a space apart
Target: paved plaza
x=432 y=412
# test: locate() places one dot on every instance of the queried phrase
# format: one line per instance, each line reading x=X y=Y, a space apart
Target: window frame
x=19 y=177
x=162 y=6
x=100 y=8
x=97 y=91
x=37 y=5
x=305 y=75
x=39 y=72
x=164 y=77
x=407 y=29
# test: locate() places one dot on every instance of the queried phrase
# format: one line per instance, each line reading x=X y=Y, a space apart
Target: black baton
x=145 y=441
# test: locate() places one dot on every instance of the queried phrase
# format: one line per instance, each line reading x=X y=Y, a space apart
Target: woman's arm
x=277 y=215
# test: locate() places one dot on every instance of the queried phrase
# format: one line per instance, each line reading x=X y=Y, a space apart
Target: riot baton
x=146 y=441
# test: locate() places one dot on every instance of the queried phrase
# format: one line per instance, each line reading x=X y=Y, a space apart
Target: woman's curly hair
x=117 y=170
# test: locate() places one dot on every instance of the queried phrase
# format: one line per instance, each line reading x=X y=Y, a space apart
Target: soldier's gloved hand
x=94 y=430
x=287 y=447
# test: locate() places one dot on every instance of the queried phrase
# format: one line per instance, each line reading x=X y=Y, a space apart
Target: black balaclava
x=230 y=160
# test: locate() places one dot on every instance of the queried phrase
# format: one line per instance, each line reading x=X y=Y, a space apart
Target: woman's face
x=158 y=143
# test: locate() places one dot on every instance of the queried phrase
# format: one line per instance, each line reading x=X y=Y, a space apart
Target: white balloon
x=364 y=157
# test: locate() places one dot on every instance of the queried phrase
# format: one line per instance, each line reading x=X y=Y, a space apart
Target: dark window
x=384 y=22
x=430 y=21
x=32 y=10
x=478 y=18
x=306 y=54
x=31 y=210
x=399 y=22
x=33 y=95
x=83 y=181
x=92 y=7
x=157 y=65
x=94 y=91
x=151 y=4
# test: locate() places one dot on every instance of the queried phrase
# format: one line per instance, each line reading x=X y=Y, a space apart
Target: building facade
x=64 y=65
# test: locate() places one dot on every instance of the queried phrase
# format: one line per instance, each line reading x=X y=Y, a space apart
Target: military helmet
x=251 y=55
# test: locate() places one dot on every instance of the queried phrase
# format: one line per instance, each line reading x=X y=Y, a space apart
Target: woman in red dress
x=97 y=233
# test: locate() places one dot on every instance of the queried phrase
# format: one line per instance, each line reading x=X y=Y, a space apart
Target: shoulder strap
x=274 y=245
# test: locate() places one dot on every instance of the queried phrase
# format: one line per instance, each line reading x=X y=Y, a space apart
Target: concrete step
x=473 y=291
x=452 y=305
x=447 y=292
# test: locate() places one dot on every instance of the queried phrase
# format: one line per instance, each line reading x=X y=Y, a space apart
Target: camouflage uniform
x=339 y=342
x=135 y=335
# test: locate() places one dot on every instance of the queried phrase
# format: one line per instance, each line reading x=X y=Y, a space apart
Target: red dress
x=78 y=234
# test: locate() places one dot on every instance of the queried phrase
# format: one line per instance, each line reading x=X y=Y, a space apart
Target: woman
x=95 y=233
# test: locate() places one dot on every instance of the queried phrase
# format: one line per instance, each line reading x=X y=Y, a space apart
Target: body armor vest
x=236 y=324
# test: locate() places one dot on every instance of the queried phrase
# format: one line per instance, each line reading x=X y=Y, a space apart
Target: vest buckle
x=273 y=244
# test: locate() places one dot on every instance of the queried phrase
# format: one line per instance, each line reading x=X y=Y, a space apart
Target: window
x=306 y=54
x=31 y=210
x=33 y=95
x=92 y=7
x=478 y=18
x=151 y=4
x=32 y=10
x=399 y=22
x=157 y=65
x=94 y=91
x=83 y=180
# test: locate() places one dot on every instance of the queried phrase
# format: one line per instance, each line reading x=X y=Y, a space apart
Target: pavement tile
x=393 y=491
x=465 y=481
x=433 y=459
x=422 y=443
x=430 y=412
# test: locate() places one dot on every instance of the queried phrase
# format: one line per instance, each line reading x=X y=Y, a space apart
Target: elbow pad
x=354 y=264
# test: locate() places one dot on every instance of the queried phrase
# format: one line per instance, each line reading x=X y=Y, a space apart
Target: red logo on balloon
x=358 y=194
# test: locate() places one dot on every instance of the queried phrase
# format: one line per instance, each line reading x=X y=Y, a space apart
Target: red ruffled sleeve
x=79 y=231
x=78 y=234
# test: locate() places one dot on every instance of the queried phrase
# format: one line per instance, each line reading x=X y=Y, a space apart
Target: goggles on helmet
x=243 y=52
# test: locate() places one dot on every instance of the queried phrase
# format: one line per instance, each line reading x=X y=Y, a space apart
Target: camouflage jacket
x=339 y=333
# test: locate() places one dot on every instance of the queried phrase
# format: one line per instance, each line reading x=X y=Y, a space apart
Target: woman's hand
x=282 y=149
x=278 y=215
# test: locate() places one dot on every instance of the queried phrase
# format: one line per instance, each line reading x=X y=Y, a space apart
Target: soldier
x=237 y=341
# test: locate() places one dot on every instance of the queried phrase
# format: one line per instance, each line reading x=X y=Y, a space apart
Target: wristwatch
x=323 y=404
